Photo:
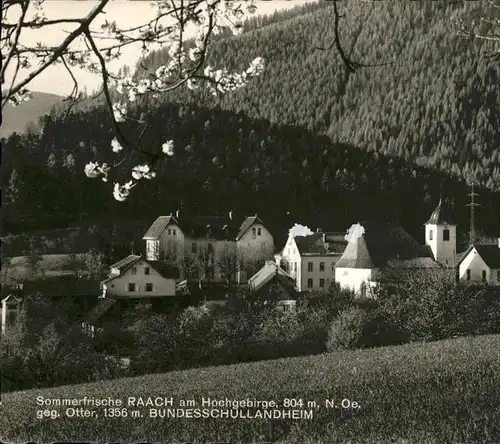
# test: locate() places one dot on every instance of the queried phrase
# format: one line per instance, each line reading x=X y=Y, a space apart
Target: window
x=149 y=287
x=169 y=231
x=259 y=231
x=134 y=270
x=295 y=267
x=468 y=275
x=131 y=287
x=483 y=275
x=309 y=266
x=321 y=266
x=263 y=246
x=147 y=270
x=446 y=235
x=430 y=234
x=322 y=283
x=253 y=233
x=498 y=275
x=174 y=231
x=286 y=307
x=193 y=247
x=309 y=283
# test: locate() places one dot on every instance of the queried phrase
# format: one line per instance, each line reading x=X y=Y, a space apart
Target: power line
x=472 y=205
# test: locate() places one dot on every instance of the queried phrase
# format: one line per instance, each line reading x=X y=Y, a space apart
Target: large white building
x=211 y=248
x=375 y=252
x=311 y=259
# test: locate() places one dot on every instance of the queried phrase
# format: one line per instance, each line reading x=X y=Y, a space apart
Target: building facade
x=311 y=259
x=214 y=249
x=441 y=235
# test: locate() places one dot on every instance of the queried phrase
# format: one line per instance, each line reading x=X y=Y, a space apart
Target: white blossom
x=93 y=170
x=120 y=112
x=116 y=146
x=168 y=147
x=121 y=192
x=142 y=172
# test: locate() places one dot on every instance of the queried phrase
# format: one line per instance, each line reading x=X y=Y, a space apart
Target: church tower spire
x=441 y=234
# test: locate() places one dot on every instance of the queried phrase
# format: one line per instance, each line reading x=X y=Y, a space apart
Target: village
x=196 y=260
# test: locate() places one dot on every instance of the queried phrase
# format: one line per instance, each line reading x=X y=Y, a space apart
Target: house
x=311 y=259
x=11 y=309
x=137 y=278
x=105 y=310
x=202 y=292
x=271 y=281
x=481 y=263
x=374 y=251
x=441 y=235
x=211 y=248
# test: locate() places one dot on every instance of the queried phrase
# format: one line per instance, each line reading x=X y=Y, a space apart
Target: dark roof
x=381 y=243
x=321 y=244
x=126 y=262
x=490 y=254
x=210 y=227
x=400 y=270
x=158 y=226
x=166 y=270
x=211 y=291
x=63 y=287
x=441 y=215
x=95 y=316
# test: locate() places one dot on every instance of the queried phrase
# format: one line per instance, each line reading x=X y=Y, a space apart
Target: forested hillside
x=304 y=143
x=435 y=103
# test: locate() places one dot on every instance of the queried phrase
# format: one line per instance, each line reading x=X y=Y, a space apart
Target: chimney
x=499 y=242
x=177 y=214
x=319 y=230
x=230 y=214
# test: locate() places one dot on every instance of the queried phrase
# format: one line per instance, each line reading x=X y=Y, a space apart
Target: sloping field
x=442 y=392
x=50 y=265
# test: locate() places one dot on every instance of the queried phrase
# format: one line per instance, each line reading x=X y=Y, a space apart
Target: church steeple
x=441 y=234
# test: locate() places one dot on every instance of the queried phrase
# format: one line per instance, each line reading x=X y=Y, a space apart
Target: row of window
x=256 y=232
x=310 y=283
x=483 y=275
x=133 y=287
x=446 y=235
x=310 y=266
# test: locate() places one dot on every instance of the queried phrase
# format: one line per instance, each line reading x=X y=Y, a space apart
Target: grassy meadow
x=441 y=392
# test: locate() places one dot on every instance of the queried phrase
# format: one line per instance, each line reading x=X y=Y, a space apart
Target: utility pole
x=472 y=205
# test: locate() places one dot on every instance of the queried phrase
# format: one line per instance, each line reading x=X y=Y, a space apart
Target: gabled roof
x=247 y=223
x=269 y=271
x=165 y=270
x=441 y=215
x=95 y=316
x=490 y=254
x=12 y=298
x=159 y=226
x=321 y=244
x=400 y=270
x=380 y=243
x=125 y=263
x=210 y=227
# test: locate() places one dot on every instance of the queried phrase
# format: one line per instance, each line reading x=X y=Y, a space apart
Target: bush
x=346 y=331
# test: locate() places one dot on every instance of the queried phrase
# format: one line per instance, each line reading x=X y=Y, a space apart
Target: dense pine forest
x=306 y=142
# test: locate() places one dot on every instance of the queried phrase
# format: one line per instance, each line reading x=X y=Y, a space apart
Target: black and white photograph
x=250 y=222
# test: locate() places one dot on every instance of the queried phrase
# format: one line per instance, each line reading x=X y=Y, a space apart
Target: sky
x=56 y=79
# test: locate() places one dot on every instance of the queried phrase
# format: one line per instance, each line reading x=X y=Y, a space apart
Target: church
x=375 y=249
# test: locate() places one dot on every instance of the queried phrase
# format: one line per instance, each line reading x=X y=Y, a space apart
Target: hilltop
x=15 y=119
